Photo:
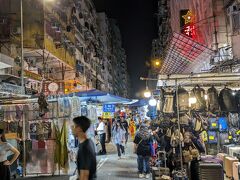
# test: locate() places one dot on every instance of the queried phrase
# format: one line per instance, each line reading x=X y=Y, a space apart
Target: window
x=236 y=22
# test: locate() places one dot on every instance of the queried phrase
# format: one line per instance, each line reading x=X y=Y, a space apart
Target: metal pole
x=24 y=145
x=179 y=127
x=22 y=56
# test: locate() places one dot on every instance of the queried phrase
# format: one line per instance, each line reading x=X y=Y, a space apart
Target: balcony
x=6 y=88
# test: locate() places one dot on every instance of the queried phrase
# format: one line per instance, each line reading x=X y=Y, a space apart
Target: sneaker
x=119 y=157
x=147 y=176
x=141 y=175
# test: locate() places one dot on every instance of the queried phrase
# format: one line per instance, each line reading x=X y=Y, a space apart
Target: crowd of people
x=141 y=134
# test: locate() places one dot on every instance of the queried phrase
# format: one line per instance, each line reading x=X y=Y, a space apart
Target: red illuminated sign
x=187 y=23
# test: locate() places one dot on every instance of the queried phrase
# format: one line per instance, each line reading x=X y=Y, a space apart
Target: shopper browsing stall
x=4 y=163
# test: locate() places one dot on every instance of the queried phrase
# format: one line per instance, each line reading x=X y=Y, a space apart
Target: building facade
x=209 y=25
x=65 y=42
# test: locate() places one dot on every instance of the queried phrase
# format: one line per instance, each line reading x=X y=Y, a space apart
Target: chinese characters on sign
x=187 y=23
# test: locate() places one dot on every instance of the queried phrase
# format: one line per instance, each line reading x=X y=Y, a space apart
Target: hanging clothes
x=63 y=146
x=58 y=144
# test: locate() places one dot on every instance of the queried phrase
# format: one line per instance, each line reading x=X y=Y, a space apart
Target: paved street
x=114 y=169
x=109 y=167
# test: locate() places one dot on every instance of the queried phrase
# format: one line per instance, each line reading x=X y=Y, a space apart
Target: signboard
x=108 y=115
x=187 y=26
x=32 y=75
x=52 y=88
x=109 y=108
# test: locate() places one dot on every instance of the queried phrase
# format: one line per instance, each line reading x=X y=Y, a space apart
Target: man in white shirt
x=102 y=135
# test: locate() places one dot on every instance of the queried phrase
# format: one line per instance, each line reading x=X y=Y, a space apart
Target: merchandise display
x=200 y=121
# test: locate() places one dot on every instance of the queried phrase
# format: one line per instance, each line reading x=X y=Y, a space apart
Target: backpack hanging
x=212 y=137
x=223 y=124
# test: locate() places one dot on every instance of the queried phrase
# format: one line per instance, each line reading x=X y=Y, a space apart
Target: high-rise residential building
x=64 y=42
x=118 y=61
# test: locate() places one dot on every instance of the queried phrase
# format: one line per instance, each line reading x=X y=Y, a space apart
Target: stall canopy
x=140 y=103
x=97 y=96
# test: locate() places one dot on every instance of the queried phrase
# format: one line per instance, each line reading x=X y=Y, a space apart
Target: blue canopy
x=95 y=95
x=141 y=102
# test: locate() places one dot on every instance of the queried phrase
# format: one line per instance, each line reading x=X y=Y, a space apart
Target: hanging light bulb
x=147 y=93
x=206 y=97
x=192 y=100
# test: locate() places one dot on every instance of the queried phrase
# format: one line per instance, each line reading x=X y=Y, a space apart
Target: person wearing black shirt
x=86 y=156
x=124 y=123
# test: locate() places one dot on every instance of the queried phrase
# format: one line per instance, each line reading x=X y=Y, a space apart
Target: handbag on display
x=169 y=101
x=194 y=152
x=213 y=104
x=183 y=99
x=233 y=119
x=199 y=94
x=187 y=157
x=227 y=100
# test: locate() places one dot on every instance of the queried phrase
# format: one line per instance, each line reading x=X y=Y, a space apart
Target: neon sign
x=187 y=23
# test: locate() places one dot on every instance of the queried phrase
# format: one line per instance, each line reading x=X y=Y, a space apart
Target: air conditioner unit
x=233 y=9
x=16 y=30
x=3 y=20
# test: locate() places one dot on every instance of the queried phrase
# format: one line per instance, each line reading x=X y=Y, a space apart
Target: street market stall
x=199 y=115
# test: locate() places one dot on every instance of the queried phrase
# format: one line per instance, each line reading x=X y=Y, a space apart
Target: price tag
x=214 y=124
x=230 y=137
x=211 y=137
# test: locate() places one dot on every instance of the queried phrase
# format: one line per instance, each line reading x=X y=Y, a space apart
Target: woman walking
x=4 y=163
x=118 y=134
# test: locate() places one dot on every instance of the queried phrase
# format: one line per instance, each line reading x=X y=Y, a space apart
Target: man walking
x=124 y=123
x=86 y=157
x=101 y=131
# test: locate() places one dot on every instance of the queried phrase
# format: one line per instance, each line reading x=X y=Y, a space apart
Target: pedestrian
x=132 y=128
x=5 y=164
x=142 y=147
x=118 y=133
x=101 y=131
x=86 y=156
x=124 y=123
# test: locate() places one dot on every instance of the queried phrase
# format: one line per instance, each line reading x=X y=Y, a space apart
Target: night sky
x=138 y=26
